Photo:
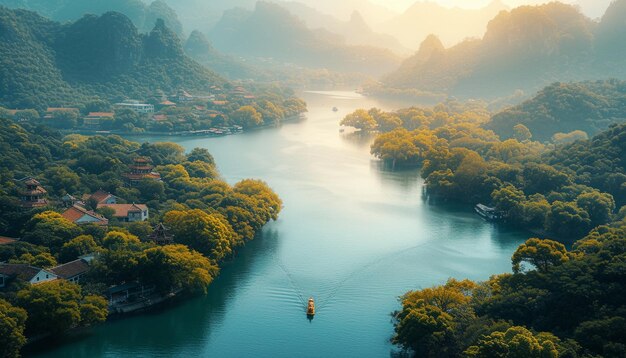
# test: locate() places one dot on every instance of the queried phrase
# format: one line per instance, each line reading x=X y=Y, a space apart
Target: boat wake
x=335 y=289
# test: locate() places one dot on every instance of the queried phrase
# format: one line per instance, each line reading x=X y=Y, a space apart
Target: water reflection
x=175 y=327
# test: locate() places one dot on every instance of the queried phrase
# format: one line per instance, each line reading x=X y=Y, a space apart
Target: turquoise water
x=352 y=235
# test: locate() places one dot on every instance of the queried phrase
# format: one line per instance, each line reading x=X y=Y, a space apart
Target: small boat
x=335 y=109
x=310 y=310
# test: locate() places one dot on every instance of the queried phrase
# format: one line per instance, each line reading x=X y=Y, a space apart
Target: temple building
x=32 y=194
x=161 y=235
x=141 y=169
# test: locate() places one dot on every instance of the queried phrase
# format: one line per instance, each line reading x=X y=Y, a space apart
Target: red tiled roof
x=167 y=103
x=76 y=212
x=122 y=210
x=52 y=109
x=101 y=114
x=100 y=196
x=132 y=176
x=71 y=269
x=6 y=240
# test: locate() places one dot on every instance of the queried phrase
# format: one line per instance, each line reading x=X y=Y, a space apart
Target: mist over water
x=352 y=235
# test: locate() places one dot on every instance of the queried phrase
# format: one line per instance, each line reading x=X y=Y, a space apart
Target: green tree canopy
x=542 y=254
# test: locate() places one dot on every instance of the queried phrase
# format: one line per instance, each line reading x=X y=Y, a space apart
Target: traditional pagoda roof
x=161 y=235
x=142 y=160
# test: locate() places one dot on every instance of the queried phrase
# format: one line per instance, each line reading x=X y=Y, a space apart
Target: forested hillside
x=45 y=63
x=526 y=48
x=562 y=108
x=143 y=15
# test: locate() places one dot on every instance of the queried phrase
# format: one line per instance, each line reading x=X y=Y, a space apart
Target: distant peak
x=431 y=43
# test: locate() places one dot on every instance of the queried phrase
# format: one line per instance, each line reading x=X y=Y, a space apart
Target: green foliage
x=361 y=120
x=175 y=266
x=12 y=325
x=209 y=234
x=247 y=117
x=78 y=246
x=47 y=64
x=514 y=342
x=50 y=229
x=565 y=112
x=57 y=306
x=542 y=254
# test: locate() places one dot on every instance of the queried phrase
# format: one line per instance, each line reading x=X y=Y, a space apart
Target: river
x=351 y=235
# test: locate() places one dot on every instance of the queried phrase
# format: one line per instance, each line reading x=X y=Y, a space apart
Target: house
x=94 y=120
x=141 y=169
x=69 y=200
x=80 y=215
x=184 y=96
x=136 y=106
x=71 y=271
x=23 y=272
x=159 y=117
x=103 y=197
x=128 y=212
x=32 y=194
x=7 y=240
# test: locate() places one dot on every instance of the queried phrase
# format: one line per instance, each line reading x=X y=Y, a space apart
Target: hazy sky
x=594 y=6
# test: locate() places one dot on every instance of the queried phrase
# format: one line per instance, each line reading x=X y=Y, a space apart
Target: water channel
x=352 y=235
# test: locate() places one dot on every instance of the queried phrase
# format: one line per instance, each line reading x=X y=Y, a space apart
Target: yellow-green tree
x=515 y=342
x=360 y=119
x=542 y=254
x=175 y=266
x=57 y=306
x=209 y=234
x=247 y=117
x=12 y=325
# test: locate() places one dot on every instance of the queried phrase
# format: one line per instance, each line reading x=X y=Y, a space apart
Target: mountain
x=566 y=107
x=45 y=63
x=204 y=14
x=143 y=15
x=200 y=49
x=356 y=30
x=373 y=12
x=271 y=32
x=523 y=49
x=451 y=25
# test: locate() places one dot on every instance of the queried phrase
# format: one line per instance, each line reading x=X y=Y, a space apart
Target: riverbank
x=202 y=133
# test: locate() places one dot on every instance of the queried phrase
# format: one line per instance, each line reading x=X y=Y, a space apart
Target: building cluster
x=78 y=210
x=213 y=106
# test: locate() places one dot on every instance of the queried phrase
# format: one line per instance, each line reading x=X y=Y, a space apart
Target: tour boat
x=310 y=310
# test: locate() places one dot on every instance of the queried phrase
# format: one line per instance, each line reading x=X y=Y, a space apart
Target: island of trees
x=90 y=263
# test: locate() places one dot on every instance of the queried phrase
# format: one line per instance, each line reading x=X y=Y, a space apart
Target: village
x=180 y=113
x=101 y=209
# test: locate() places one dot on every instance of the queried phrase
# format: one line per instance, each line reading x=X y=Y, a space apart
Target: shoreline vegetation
x=558 y=302
x=98 y=262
